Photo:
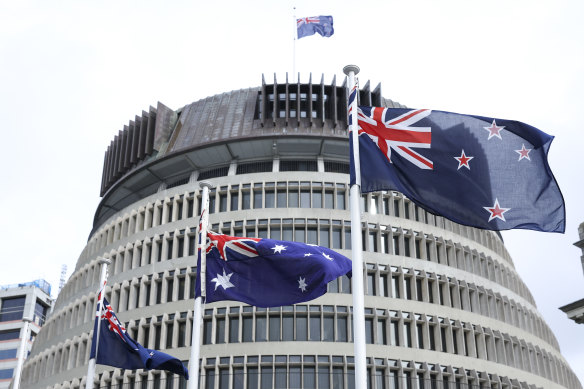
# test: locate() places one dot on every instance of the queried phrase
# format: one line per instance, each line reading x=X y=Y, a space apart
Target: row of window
x=380 y=280
x=325 y=232
x=312 y=372
x=383 y=327
x=328 y=323
x=297 y=194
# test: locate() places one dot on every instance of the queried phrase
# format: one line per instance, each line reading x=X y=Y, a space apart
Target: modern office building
x=23 y=311
x=444 y=305
x=575 y=310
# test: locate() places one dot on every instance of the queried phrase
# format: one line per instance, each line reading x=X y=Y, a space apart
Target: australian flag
x=315 y=24
x=267 y=272
x=117 y=349
x=478 y=171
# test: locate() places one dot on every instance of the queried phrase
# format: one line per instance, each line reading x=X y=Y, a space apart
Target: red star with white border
x=523 y=153
x=463 y=160
x=494 y=130
x=496 y=211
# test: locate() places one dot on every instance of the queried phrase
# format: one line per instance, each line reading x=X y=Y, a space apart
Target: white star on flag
x=302 y=284
x=523 y=153
x=327 y=256
x=223 y=280
x=494 y=130
x=307 y=254
x=278 y=248
x=496 y=211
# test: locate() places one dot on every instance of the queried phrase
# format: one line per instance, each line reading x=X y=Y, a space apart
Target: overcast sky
x=73 y=73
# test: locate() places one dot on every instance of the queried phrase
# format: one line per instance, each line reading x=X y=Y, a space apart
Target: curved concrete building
x=444 y=305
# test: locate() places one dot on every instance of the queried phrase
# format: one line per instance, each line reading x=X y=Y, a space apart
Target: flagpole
x=104 y=262
x=193 y=382
x=21 y=352
x=294 y=50
x=356 y=244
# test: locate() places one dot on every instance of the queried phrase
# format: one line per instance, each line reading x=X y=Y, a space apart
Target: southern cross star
x=463 y=160
x=302 y=284
x=278 y=248
x=223 y=280
x=307 y=254
x=494 y=130
x=327 y=256
x=496 y=211
x=523 y=153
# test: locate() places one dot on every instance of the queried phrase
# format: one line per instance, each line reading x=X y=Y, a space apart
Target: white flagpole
x=104 y=262
x=21 y=352
x=294 y=50
x=193 y=382
x=356 y=245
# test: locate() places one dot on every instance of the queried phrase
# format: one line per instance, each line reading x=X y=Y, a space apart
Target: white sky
x=73 y=73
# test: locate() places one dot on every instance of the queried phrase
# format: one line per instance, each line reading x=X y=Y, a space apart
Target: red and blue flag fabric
x=315 y=24
x=116 y=348
x=478 y=171
x=267 y=272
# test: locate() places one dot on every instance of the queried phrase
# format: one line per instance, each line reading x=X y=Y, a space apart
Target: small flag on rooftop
x=322 y=25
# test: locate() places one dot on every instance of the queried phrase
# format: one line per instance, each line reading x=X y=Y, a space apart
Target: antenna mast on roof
x=62 y=279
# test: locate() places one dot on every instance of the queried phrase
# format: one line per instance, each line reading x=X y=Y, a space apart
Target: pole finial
x=351 y=68
x=207 y=184
x=101 y=260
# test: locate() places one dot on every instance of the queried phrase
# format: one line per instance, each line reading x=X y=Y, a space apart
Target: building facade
x=444 y=305
x=19 y=303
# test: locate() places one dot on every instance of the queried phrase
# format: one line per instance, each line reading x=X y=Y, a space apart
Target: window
x=207 y=330
x=310 y=377
x=267 y=373
x=328 y=326
x=234 y=329
x=305 y=198
x=245 y=200
x=301 y=328
x=7 y=354
x=274 y=334
x=247 y=329
x=270 y=198
x=342 y=329
x=287 y=328
x=252 y=377
x=257 y=198
x=169 y=330
x=12 y=308
x=368 y=330
x=281 y=197
x=260 y=333
x=40 y=312
x=6 y=374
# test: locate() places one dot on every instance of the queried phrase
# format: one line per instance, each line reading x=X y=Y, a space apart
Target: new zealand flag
x=322 y=25
x=478 y=171
x=117 y=349
x=267 y=272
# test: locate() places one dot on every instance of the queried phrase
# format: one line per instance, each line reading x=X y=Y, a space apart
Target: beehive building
x=444 y=305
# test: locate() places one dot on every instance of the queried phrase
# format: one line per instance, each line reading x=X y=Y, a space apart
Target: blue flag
x=117 y=349
x=477 y=171
x=310 y=25
x=267 y=272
